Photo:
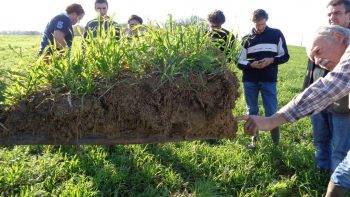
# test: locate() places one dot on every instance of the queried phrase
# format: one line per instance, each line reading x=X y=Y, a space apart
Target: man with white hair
x=331 y=126
x=330 y=48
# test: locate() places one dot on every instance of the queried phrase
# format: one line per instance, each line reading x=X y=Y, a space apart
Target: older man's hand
x=255 y=123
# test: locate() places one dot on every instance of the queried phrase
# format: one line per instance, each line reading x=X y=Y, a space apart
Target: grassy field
x=225 y=168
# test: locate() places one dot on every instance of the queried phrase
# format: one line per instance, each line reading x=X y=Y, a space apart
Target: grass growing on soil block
x=198 y=168
x=169 y=83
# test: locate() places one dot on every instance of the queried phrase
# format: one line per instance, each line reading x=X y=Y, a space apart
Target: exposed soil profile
x=129 y=111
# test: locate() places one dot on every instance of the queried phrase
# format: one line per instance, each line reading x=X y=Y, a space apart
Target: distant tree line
x=193 y=20
x=20 y=33
x=78 y=29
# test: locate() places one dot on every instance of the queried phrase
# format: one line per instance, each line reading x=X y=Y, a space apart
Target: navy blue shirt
x=98 y=25
x=62 y=23
x=268 y=44
x=221 y=37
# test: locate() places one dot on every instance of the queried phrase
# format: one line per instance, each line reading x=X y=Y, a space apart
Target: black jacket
x=221 y=37
x=97 y=26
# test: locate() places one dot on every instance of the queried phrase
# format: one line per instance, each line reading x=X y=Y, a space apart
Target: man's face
x=260 y=26
x=214 y=25
x=326 y=52
x=133 y=23
x=337 y=16
x=101 y=8
x=76 y=18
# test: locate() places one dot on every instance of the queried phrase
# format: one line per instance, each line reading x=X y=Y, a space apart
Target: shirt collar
x=254 y=33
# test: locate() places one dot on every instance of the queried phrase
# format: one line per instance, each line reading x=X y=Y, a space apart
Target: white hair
x=328 y=31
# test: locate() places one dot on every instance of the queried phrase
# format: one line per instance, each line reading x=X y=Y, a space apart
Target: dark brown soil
x=130 y=111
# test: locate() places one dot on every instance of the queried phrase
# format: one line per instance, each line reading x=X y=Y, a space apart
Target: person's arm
x=244 y=63
x=256 y=123
x=117 y=30
x=229 y=43
x=86 y=29
x=232 y=39
x=62 y=28
x=312 y=100
x=266 y=62
x=282 y=51
x=59 y=39
x=282 y=54
x=324 y=91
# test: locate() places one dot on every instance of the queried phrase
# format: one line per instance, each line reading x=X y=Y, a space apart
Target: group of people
x=326 y=88
x=262 y=50
x=59 y=31
x=325 y=98
x=326 y=84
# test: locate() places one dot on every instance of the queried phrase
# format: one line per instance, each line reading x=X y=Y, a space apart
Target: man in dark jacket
x=58 y=33
x=331 y=127
x=103 y=23
x=263 y=49
x=220 y=36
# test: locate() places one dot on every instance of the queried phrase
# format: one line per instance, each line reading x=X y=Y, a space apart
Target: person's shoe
x=275 y=135
x=254 y=142
x=252 y=145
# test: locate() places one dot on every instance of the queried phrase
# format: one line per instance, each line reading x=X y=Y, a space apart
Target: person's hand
x=260 y=64
x=256 y=64
x=266 y=62
x=255 y=123
x=252 y=123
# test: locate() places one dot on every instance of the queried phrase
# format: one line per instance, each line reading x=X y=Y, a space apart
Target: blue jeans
x=322 y=134
x=331 y=133
x=341 y=175
x=268 y=92
x=341 y=138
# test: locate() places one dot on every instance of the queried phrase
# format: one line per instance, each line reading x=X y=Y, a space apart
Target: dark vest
x=315 y=72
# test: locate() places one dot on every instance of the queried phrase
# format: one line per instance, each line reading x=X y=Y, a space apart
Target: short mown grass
x=199 y=168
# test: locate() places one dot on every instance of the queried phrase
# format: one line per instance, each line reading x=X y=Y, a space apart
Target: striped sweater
x=270 y=43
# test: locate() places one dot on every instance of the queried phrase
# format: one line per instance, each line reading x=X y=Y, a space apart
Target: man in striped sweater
x=263 y=49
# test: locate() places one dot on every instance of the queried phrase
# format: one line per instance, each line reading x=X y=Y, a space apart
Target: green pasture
x=223 y=168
